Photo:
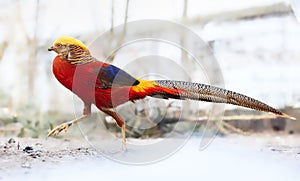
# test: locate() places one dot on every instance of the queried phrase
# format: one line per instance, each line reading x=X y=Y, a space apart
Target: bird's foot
x=124 y=147
x=60 y=128
x=123 y=128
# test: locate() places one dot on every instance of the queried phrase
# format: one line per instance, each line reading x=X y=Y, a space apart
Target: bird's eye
x=58 y=45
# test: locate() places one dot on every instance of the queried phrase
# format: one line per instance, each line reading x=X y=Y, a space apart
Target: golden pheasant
x=107 y=86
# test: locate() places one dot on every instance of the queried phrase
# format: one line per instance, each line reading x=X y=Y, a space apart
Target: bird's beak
x=51 y=48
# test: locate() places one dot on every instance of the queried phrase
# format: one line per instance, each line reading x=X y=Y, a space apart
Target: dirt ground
x=22 y=155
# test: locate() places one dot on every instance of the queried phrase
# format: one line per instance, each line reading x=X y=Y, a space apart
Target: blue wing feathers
x=111 y=75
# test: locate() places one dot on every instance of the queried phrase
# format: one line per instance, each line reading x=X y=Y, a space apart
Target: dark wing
x=109 y=75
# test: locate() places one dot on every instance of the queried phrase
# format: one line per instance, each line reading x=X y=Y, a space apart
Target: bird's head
x=71 y=49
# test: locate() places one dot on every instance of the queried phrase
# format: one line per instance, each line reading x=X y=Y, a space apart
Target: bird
x=107 y=86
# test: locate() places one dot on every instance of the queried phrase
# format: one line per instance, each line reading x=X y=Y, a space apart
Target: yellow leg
x=120 y=123
x=124 y=148
x=65 y=126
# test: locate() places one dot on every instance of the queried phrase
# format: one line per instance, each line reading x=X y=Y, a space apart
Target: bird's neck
x=78 y=56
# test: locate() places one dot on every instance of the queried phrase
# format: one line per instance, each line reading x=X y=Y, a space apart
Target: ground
x=27 y=153
x=271 y=156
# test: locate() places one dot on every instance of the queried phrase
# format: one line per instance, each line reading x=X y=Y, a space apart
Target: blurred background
x=255 y=43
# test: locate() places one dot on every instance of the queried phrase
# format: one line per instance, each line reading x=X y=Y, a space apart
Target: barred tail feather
x=203 y=92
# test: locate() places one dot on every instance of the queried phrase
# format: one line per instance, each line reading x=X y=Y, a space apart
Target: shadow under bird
x=107 y=86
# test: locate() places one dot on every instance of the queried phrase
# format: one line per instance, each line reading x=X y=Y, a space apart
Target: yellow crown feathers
x=67 y=40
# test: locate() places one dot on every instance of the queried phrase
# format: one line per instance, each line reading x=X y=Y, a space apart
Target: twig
x=225 y=118
x=19 y=19
x=112 y=16
x=184 y=57
x=233 y=128
x=33 y=54
x=121 y=39
x=3 y=47
x=184 y=13
x=248 y=117
x=126 y=17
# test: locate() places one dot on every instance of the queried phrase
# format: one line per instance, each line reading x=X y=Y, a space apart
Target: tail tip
x=287 y=116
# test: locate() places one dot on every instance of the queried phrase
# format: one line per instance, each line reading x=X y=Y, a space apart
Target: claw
x=124 y=147
x=65 y=126
x=59 y=128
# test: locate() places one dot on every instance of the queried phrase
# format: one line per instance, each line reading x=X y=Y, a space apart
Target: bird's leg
x=86 y=113
x=124 y=137
x=120 y=123
x=64 y=126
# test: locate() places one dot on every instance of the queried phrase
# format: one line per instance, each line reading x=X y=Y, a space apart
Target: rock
x=11 y=140
x=28 y=149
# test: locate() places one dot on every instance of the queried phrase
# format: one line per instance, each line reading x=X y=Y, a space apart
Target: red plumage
x=84 y=82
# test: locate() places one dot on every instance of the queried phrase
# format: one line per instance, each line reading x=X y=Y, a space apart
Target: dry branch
x=246 y=13
x=112 y=16
x=111 y=58
x=225 y=118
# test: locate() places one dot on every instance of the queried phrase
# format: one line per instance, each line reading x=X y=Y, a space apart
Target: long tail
x=208 y=93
